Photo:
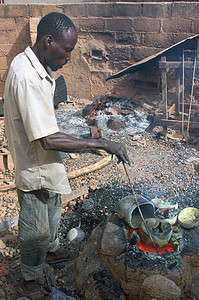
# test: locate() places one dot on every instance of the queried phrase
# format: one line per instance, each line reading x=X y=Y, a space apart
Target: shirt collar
x=37 y=65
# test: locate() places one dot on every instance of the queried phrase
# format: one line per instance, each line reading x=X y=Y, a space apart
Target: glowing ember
x=150 y=248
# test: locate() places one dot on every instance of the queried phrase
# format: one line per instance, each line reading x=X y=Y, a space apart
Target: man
x=35 y=144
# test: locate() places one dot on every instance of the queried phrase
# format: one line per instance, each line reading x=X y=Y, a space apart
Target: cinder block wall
x=112 y=36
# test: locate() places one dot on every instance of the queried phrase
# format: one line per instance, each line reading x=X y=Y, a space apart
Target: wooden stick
x=93 y=167
x=193 y=79
x=143 y=220
x=183 y=90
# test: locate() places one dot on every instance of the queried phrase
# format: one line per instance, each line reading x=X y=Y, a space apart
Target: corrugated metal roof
x=152 y=58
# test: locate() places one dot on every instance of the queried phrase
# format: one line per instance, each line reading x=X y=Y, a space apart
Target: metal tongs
x=143 y=220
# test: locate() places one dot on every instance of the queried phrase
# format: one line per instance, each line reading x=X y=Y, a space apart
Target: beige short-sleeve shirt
x=29 y=115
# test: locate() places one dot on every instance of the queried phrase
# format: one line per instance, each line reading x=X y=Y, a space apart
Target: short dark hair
x=54 y=23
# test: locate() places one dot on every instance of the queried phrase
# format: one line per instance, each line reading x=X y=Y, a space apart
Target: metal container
x=127 y=210
x=160 y=231
x=189 y=217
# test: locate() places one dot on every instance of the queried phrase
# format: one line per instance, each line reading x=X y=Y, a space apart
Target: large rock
x=114 y=240
x=159 y=287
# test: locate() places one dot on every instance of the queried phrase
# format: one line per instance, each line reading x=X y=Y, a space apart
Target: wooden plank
x=83 y=190
x=176 y=64
x=171 y=110
x=166 y=122
x=93 y=167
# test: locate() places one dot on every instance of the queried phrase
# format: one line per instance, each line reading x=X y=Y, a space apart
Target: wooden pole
x=193 y=80
x=183 y=91
x=164 y=91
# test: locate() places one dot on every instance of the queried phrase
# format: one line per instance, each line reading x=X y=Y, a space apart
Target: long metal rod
x=193 y=80
x=138 y=206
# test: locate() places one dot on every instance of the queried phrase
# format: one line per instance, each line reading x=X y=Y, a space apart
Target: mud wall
x=112 y=36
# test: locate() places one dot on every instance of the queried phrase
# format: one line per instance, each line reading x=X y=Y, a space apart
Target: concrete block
x=124 y=38
x=92 y=24
x=4 y=62
x=7 y=24
x=146 y=25
x=139 y=53
x=9 y=50
x=34 y=10
x=4 y=74
x=15 y=37
x=48 y=8
x=195 y=26
x=156 y=10
x=161 y=40
x=76 y=10
x=185 y=10
x=177 y=25
x=33 y=22
x=118 y=24
x=22 y=23
x=119 y=53
x=2 y=10
x=17 y=10
x=127 y=9
x=100 y=9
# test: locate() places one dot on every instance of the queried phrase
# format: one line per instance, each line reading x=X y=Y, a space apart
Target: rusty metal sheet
x=152 y=58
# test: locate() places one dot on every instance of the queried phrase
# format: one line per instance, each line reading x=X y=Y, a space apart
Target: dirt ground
x=159 y=168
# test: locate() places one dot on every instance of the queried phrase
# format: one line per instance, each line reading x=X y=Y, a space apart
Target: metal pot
x=127 y=210
x=160 y=230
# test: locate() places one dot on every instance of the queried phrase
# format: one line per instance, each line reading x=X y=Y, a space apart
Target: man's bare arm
x=63 y=142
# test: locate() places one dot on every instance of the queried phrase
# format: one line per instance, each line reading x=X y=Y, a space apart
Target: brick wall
x=112 y=36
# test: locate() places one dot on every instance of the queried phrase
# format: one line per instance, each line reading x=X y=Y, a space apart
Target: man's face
x=58 y=52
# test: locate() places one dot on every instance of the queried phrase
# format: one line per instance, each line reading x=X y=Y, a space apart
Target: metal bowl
x=188 y=217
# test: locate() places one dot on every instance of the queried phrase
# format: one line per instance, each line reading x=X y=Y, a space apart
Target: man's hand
x=119 y=150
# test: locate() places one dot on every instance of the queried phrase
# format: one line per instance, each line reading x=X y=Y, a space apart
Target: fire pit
x=141 y=272
x=113 y=115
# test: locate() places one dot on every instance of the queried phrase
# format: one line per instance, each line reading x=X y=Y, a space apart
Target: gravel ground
x=159 y=168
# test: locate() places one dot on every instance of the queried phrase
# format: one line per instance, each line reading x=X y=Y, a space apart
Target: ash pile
x=112 y=115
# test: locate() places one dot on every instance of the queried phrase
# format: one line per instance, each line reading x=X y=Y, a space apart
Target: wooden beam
x=176 y=64
x=81 y=191
x=194 y=106
x=166 y=122
x=93 y=167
